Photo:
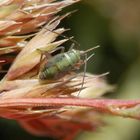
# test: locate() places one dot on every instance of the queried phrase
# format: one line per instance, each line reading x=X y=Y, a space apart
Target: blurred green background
x=115 y=26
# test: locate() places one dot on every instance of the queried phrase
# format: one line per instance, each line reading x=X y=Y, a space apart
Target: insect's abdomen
x=60 y=64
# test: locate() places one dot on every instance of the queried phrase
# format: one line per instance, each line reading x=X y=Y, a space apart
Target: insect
x=63 y=63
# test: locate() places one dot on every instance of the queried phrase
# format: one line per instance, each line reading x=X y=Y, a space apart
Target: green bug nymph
x=61 y=64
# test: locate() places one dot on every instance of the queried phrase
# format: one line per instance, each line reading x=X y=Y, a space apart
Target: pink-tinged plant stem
x=125 y=108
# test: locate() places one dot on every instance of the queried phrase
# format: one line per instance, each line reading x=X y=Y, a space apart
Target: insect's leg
x=61 y=48
x=43 y=52
x=47 y=55
x=85 y=68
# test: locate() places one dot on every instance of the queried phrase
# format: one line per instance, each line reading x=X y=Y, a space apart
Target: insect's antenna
x=84 y=52
x=83 y=80
x=69 y=38
x=89 y=57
